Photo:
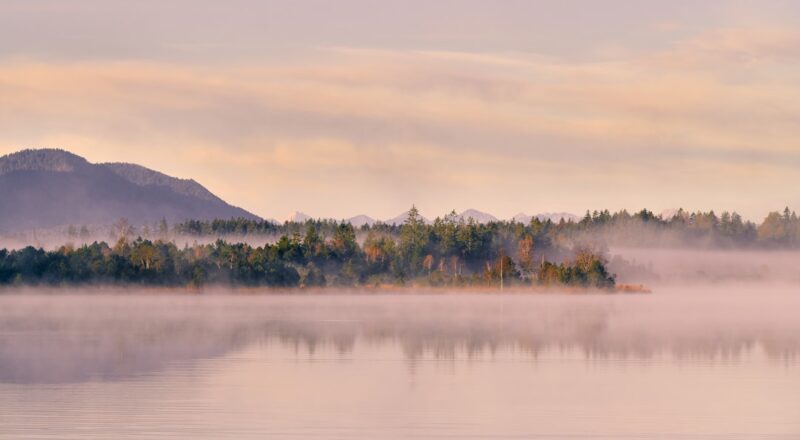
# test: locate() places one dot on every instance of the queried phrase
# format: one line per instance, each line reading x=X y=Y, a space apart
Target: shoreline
x=133 y=289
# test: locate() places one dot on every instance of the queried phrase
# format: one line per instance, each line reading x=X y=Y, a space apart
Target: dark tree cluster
x=147 y=262
x=448 y=252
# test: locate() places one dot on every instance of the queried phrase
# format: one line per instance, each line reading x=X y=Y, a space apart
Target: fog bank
x=93 y=334
x=704 y=266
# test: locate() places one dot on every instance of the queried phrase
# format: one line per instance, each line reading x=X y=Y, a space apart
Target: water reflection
x=80 y=337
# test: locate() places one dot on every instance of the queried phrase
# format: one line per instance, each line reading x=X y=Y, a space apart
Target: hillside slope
x=48 y=188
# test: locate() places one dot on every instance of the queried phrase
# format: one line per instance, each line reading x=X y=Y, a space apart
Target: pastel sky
x=338 y=108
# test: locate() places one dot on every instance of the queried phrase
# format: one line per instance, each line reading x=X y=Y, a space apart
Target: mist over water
x=693 y=267
x=114 y=333
x=347 y=355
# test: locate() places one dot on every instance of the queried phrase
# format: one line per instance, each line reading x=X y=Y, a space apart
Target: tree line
x=448 y=252
x=643 y=228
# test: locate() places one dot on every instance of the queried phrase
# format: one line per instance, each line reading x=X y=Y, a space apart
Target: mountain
x=556 y=217
x=145 y=177
x=522 y=218
x=478 y=216
x=297 y=217
x=401 y=218
x=361 y=220
x=49 y=187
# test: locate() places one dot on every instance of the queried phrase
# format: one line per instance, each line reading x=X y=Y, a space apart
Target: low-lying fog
x=50 y=241
x=691 y=266
x=77 y=335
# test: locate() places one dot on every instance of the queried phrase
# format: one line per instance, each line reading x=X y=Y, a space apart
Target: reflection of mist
x=65 y=338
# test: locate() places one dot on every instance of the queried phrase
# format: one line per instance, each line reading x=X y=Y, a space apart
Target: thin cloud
x=448 y=124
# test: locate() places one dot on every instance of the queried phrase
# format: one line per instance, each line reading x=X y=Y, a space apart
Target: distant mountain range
x=361 y=220
x=297 y=217
x=49 y=187
x=477 y=216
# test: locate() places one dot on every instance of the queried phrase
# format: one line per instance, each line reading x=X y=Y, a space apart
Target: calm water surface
x=712 y=363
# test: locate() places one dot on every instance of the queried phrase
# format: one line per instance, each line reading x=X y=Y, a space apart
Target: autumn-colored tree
x=525 y=254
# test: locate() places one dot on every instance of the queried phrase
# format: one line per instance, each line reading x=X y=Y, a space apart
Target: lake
x=710 y=362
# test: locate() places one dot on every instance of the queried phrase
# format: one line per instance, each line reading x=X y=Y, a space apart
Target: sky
x=363 y=107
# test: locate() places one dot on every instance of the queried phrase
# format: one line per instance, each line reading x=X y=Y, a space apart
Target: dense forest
x=446 y=253
x=643 y=228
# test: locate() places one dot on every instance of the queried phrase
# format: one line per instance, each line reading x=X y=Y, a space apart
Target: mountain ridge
x=45 y=188
x=477 y=216
x=143 y=176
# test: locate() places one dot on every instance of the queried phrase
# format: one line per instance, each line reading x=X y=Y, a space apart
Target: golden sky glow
x=699 y=109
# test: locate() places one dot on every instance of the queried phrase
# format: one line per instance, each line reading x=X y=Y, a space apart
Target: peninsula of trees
x=446 y=253
x=449 y=251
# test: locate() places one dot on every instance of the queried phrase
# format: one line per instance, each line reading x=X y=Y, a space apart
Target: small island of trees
x=450 y=252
